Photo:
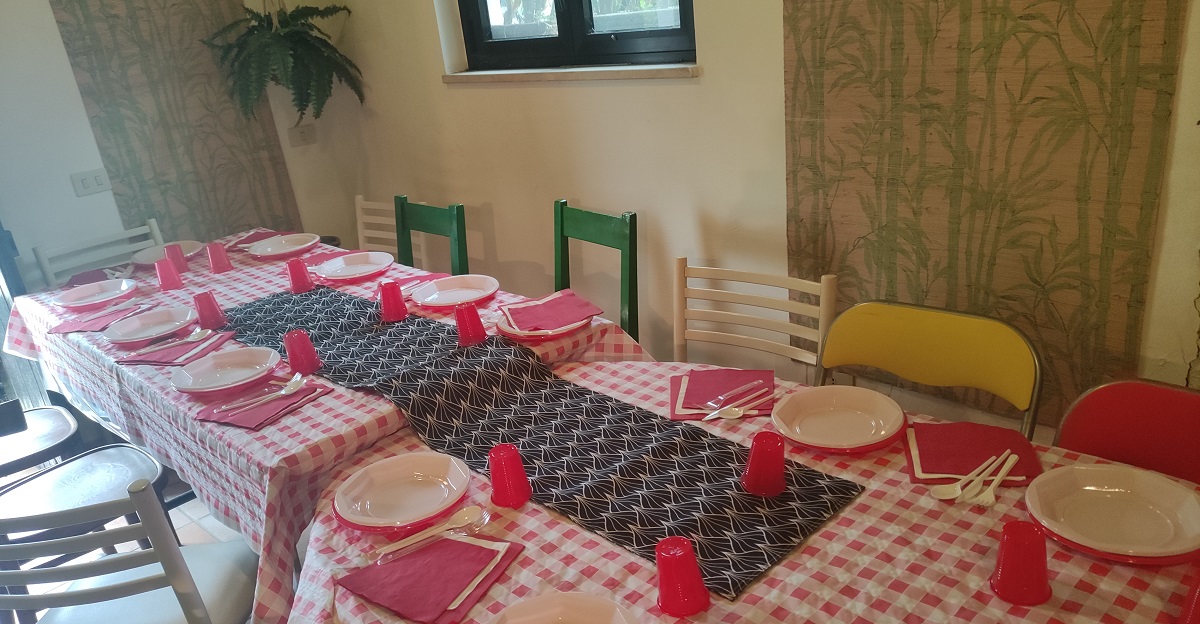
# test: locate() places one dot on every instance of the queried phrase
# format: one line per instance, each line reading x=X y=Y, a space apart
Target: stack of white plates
x=455 y=290
x=95 y=294
x=839 y=419
x=393 y=494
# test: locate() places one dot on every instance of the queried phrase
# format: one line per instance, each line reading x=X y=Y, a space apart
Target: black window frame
x=576 y=44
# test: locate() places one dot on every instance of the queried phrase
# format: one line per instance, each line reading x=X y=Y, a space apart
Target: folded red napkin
x=550 y=312
x=91 y=276
x=949 y=451
x=421 y=585
x=179 y=355
x=99 y=323
x=260 y=416
x=690 y=392
x=254 y=237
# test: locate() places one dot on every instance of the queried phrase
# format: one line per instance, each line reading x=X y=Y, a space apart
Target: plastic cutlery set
x=971 y=489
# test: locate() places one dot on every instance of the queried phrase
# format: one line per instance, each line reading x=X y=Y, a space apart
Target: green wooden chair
x=450 y=222
x=619 y=233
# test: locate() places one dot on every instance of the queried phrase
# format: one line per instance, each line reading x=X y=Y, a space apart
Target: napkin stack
x=438 y=584
x=554 y=311
x=180 y=354
x=262 y=415
x=944 y=453
x=690 y=392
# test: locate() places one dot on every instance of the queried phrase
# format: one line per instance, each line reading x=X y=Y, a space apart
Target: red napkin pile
x=181 y=354
x=99 y=323
x=254 y=237
x=949 y=451
x=91 y=276
x=421 y=585
x=551 y=312
x=260 y=416
x=690 y=392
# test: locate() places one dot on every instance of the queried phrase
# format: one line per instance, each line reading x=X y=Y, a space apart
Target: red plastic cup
x=1021 y=576
x=1190 y=613
x=218 y=259
x=211 y=315
x=298 y=277
x=301 y=354
x=168 y=277
x=764 y=474
x=175 y=254
x=391 y=302
x=470 y=326
x=681 y=590
x=510 y=484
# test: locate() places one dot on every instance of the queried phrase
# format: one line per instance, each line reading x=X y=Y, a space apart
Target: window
x=514 y=34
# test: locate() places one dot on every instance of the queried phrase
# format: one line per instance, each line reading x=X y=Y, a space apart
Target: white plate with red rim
x=355 y=265
x=505 y=329
x=838 y=419
x=1113 y=509
x=149 y=325
x=399 y=491
x=225 y=370
x=150 y=255
x=566 y=608
x=286 y=245
x=455 y=290
x=93 y=295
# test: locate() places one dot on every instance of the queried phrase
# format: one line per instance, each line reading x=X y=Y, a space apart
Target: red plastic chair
x=1141 y=423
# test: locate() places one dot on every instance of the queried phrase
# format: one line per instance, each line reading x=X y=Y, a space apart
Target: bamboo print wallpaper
x=174 y=145
x=1002 y=157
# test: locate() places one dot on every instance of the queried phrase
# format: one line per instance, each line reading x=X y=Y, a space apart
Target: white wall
x=44 y=138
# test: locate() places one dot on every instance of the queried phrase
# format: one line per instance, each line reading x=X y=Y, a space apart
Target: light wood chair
x=60 y=263
x=820 y=312
x=209 y=583
x=376 y=225
x=938 y=347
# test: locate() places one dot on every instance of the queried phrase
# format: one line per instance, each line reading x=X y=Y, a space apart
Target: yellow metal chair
x=938 y=348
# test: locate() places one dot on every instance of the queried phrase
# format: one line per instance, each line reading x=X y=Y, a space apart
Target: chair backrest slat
x=74 y=544
x=58 y=264
x=76 y=571
x=449 y=222
x=376 y=225
x=66 y=517
x=69 y=598
x=617 y=232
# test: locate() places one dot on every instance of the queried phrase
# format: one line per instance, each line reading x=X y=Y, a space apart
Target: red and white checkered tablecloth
x=264 y=483
x=894 y=555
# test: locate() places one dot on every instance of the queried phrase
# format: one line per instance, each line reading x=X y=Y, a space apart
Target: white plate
x=455 y=290
x=149 y=325
x=354 y=265
x=227 y=369
x=95 y=293
x=283 y=245
x=837 y=417
x=402 y=490
x=1117 y=509
x=566 y=608
x=150 y=255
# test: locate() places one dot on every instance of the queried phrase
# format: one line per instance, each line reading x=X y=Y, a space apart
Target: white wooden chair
x=376 y=225
x=207 y=583
x=60 y=263
x=720 y=323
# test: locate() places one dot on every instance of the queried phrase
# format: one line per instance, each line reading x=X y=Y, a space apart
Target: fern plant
x=286 y=48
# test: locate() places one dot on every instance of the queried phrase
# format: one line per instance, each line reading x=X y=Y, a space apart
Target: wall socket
x=88 y=182
x=299 y=136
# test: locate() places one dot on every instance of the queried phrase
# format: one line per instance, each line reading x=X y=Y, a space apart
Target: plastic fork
x=988 y=497
x=737 y=408
x=719 y=402
x=976 y=485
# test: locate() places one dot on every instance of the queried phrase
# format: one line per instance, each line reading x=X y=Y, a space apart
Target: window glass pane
x=626 y=15
x=522 y=19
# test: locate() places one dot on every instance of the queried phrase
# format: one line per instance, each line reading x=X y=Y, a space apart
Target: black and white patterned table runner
x=615 y=469
x=356 y=349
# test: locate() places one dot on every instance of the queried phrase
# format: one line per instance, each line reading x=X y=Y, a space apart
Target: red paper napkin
x=421 y=585
x=90 y=277
x=958 y=448
x=179 y=355
x=551 y=312
x=254 y=237
x=99 y=323
x=680 y=412
x=260 y=416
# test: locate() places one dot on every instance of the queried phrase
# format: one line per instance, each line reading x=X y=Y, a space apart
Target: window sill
x=568 y=74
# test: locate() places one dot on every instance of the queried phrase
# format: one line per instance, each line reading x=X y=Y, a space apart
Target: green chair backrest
x=450 y=222
x=619 y=233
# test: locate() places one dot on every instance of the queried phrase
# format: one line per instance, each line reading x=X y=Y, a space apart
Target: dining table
x=264 y=483
x=893 y=554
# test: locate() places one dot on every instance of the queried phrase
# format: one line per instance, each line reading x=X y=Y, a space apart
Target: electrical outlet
x=299 y=136
x=88 y=182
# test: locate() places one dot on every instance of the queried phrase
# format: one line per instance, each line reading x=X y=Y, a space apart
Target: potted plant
x=283 y=47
